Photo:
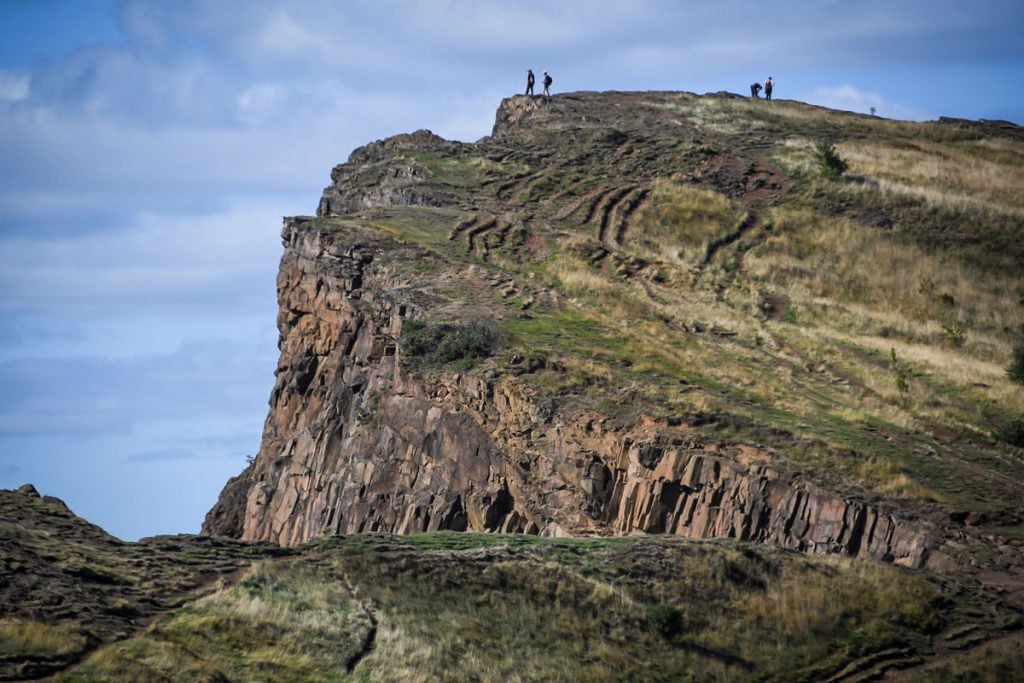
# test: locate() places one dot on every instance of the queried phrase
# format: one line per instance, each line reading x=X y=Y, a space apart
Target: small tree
x=830 y=164
x=900 y=373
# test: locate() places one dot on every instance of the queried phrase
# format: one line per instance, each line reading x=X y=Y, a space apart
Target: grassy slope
x=477 y=607
x=470 y=607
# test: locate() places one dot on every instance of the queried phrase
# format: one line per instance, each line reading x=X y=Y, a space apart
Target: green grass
x=469 y=606
x=462 y=606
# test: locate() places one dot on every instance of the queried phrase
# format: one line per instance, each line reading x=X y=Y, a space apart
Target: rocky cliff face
x=361 y=437
x=355 y=443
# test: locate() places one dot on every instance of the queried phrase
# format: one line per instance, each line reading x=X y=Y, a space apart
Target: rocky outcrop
x=384 y=174
x=357 y=442
x=360 y=439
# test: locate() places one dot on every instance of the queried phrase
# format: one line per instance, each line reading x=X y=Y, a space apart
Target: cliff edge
x=569 y=328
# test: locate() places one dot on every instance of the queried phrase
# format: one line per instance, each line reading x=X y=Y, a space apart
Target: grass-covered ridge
x=480 y=607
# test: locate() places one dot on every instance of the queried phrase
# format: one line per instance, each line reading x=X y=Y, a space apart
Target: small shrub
x=901 y=374
x=1012 y=433
x=955 y=334
x=665 y=619
x=1016 y=370
x=447 y=343
x=369 y=414
x=830 y=164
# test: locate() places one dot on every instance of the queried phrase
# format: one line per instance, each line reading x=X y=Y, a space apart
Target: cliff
x=563 y=329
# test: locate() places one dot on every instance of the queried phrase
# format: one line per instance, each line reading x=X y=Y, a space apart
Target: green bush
x=1016 y=370
x=447 y=343
x=830 y=164
x=1012 y=433
x=665 y=619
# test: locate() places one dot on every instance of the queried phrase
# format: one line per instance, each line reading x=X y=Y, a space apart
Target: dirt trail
x=754 y=183
x=945 y=654
x=370 y=639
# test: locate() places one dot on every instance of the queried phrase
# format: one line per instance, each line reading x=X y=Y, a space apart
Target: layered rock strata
x=355 y=442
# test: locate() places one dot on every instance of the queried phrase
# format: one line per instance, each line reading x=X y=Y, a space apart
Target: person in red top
x=768 y=85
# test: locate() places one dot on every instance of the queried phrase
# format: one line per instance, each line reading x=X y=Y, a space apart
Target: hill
x=649 y=312
x=696 y=410
x=79 y=605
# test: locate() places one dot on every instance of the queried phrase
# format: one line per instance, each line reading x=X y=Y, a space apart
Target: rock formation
x=362 y=438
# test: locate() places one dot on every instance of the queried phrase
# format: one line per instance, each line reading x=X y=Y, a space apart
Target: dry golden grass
x=282 y=621
x=809 y=606
x=950 y=176
x=893 y=288
x=680 y=221
x=299 y=598
x=21 y=638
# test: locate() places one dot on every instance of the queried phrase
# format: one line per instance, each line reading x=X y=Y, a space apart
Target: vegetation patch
x=1015 y=371
x=830 y=164
x=30 y=638
x=282 y=621
x=437 y=344
x=1012 y=433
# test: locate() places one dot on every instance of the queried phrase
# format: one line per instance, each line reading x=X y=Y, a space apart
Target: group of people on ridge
x=530 y=81
x=756 y=88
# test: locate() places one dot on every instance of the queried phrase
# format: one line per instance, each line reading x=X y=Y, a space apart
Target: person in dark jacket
x=547 y=84
x=768 y=85
x=529 y=81
x=754 y=89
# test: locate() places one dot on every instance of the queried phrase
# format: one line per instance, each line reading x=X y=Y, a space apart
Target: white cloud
x=850 y=98
x=177 y=262
x=14 y=87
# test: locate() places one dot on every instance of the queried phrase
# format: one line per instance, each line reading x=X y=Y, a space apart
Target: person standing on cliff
x=529 y=82
x=768 y=85
x=547 y=84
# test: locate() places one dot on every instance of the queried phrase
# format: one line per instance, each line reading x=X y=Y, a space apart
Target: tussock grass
x=145 y=658
x=30 y=638
x=995 y=662
x=283 y=620
x=680 y=221
x=514 y=608
x=888 y=287
x=571 y=612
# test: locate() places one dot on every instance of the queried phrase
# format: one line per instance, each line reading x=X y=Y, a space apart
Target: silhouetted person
x=754 y=89
x=768 y=85
x=529 y=81
x=547 y=84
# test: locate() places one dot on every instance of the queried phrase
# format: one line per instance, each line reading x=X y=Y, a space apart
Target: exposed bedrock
x=355 y=442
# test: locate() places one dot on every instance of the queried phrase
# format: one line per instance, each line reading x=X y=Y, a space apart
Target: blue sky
x=149 y=148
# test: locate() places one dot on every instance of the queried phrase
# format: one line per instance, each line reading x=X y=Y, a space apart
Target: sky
x=150 y=148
